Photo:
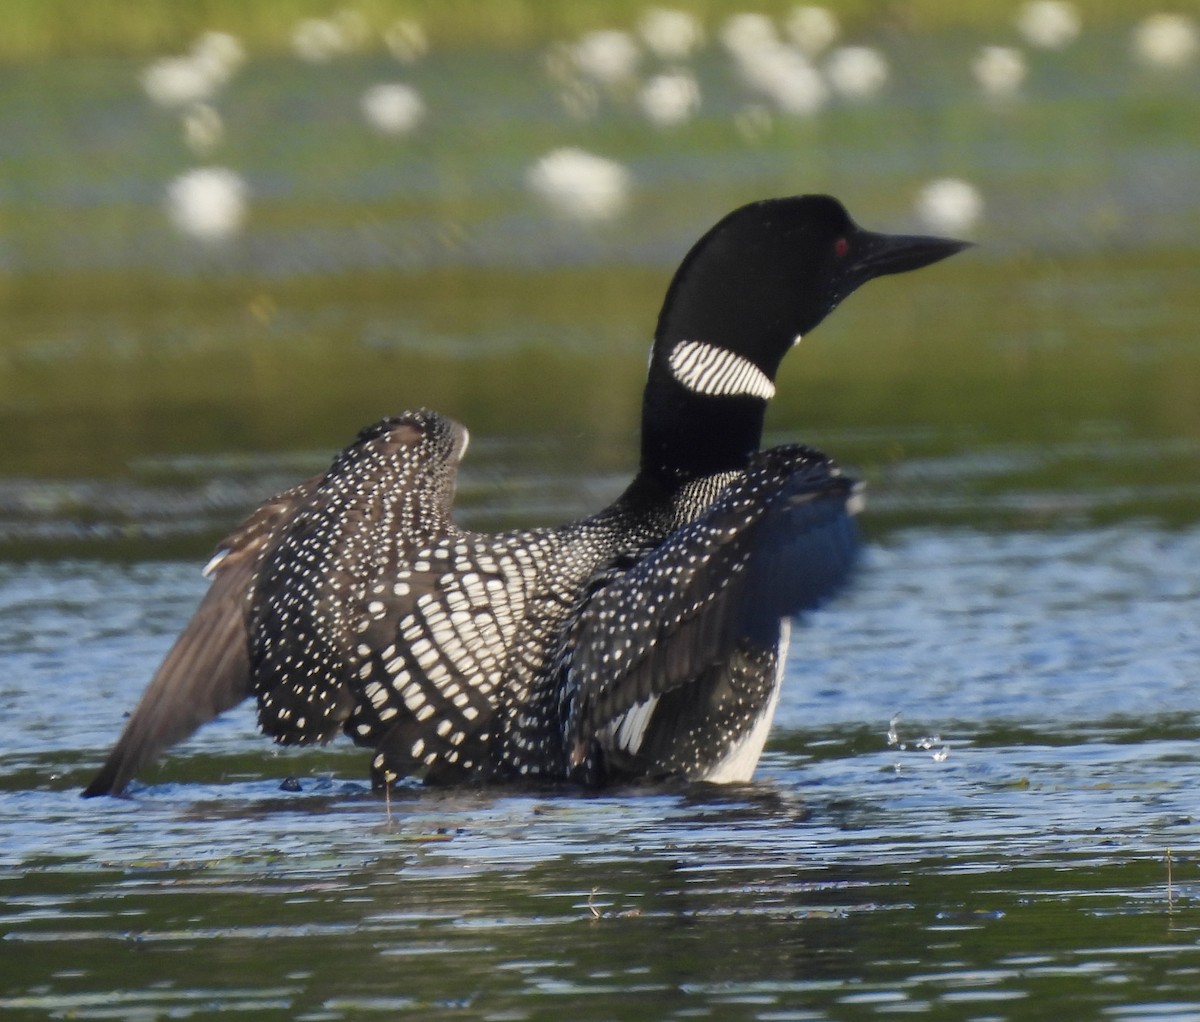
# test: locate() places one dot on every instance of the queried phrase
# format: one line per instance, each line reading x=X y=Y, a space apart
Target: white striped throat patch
x=718 y=372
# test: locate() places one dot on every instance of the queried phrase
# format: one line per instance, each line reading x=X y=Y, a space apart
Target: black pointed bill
x=874 y=255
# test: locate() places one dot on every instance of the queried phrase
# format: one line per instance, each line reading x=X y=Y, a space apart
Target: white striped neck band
x=718 y=372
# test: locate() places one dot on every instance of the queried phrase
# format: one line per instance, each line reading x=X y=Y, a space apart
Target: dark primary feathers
x=208 y=669
x=647 y=639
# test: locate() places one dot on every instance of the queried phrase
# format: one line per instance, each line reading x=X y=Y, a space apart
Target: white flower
x=407 y=41
x=814 y=29
x=668 y=99
x=208 y=203
x=949 y=204
x=744 y=34
x=787 y=78
x=607 y=56
x=220 y=53
x=178 y=81
x=175 y=82
x=580 y=184
x=318 y=41
x=857 y=71
x=999 y=70
x=775 y=70
x=1050 y=24
x=670 y=34
x=393 y=109
x=1166 y=40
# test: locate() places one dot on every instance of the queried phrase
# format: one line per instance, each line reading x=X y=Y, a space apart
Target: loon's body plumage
x=422 y=641
x=645 y=640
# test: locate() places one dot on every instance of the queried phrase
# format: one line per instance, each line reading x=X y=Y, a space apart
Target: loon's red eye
x=841 y=247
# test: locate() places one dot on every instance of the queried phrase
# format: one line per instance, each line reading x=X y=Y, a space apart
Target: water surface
x=979 y=796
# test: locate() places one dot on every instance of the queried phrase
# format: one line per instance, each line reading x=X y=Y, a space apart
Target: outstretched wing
x=352 y=556
x=682 y=648
x=207 y=670
x=375 y=615
x=292 y=589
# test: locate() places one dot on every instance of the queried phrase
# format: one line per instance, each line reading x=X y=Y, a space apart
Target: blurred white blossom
x=745 y=34
x=1166 y=40
x=671 y=98
x=949 y=204
x=607 y=56
x=999 y=70
x=787 y=78
x=670 y=34
x=1050 y=24
x=220 y=53
x=580 y=184
x=775 y=70
x=208 y=203
x=857 y=71
x=392 y=108
x=318 y=40
x=813 y=29
x=178 y=81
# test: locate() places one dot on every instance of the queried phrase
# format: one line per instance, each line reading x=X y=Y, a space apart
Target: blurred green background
x=155 y=384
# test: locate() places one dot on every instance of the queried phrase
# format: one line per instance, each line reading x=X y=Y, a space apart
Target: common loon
x=646 y=640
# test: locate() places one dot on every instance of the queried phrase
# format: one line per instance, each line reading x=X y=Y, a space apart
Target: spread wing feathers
x=775 y=542
x=207 y=670
x=359 y=553
x=440 y=658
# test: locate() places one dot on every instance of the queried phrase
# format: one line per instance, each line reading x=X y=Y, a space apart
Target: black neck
x=686 y=435
x=748 y=288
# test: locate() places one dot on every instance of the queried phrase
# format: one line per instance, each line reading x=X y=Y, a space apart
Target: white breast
x=738 y=764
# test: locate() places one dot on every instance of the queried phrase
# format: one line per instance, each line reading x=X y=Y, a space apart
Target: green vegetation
x=36 y=29
x=1049 y=375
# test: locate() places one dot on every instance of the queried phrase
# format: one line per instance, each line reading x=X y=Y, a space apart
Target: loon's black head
x=747 y=291
x=770 y=272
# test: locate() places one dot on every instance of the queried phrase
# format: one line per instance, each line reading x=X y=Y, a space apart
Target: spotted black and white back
x=643 y=640
x=375 y=614
x=674 y=666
